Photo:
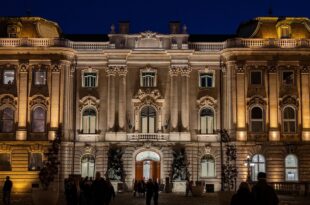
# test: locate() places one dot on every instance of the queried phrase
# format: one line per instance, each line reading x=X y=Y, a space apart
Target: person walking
x=156 y=192
x=7 y=188
x=263 y=193
x=149 y=191
x=110 y=193
x=99 y=190
x=243 y=195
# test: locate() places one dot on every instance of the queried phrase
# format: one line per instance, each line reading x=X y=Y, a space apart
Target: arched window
x=89 y=121
x=7 y=120
x=207 y=166
x=35 y=161
x=289 y=120
x=88 y=166
x=291 y=168
x=257 y=120
x=38 y=120
x=206 y=121
x=148 y=119
x=259 y=165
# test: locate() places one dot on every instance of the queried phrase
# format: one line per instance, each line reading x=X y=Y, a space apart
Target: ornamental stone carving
x=256 y=101
x=122 y=70
x=289 y=100
x=305 y=69
x=23 y=68
x=5 y=148
x=8 y=100
x=240 y=69
x=89 y=101
x=36 y=148
x=206 y=101
x=39 y=100
x=111 y=70
x=184 y=70
x=56 y=68
x=144 y=93
x=88 y=149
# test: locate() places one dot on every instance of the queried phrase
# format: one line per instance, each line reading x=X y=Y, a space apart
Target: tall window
x=148 y=119
x=206 y=80
x=148 y=79
x=207 y=166
x=87 y=166
x=38 y=120
x=259 y=165
x=89 y=121
x=206 y=121
x=289 y=120
x=285 y=31
x=8 y=77
x=5 y=162
x=90 y=79
x=39 y=77
x=291 y=168
x=256 y=77
x=288 y=77
x=35 y=161
x=257 y=119
x=7 y=120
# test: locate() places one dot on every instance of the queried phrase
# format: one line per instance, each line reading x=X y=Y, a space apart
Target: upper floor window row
x=256 y=77
x=89 y=79
x=148 y=79
x=206 y=80
x=39 y=77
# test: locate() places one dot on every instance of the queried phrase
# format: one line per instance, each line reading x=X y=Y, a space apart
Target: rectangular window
x=148 y=79
x=206 y=80
x=5 y=162
x=285 y=32
x=256 y=77
x=8 y=77
x=39 y=77
x=291 y=174
x=90 y=80
x=35 y=162
x=288 y=77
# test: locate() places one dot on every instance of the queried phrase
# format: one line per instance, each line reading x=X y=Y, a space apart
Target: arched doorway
x=147 y=165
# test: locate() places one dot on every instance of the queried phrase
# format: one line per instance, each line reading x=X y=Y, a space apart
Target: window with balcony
x=256 y=77
x=5 y=162
x=206 y=121
x=257 y=119
x=8 y=77
x=259 y=165
x=285 y=32
x=148 y=119
x=89 y=120
x=289 y=120
x=88 y=166
x=148 y=79
x=90 y=79
x=7 y=120
x=39 y=77
x=206 y=80
x=35 y=161
x=38 y=120
x=291 y=168
x=288 y=77
x=207 y=166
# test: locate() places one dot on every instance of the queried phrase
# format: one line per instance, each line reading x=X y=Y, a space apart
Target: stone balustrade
x=148 y=137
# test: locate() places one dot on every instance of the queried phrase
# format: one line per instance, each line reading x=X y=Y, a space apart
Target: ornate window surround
x=86 y=103
x=207 y=102
x=206 y=70
x=89 y=70
x=256 y=101
x=296 y=168
x=150 y=69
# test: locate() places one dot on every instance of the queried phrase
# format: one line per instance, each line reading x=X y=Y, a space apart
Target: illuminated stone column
x=55 y=92
x=274 y=134
x=174 y=70
x=122 y=72
x=185 y=73
x=111 y=72
x=21 y=133
x=305 y=103
x=241 y=105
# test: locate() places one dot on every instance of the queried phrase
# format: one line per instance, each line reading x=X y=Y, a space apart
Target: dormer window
x=148 y=77
x=285 y=32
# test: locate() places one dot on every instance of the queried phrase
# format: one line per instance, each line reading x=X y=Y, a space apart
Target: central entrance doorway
x=147 y=166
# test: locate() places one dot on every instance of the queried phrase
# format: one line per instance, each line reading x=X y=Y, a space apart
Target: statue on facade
x=179 y=164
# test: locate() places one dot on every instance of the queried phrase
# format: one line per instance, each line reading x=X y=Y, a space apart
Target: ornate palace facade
x=148 y=92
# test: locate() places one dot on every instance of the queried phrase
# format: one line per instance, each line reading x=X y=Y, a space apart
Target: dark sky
x=200 y=16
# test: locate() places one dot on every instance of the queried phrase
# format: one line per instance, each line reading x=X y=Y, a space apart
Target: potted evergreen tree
x=47 y=192
x=115 y=171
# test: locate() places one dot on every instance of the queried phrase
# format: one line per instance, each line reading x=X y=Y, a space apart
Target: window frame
x=148 y=119
x=282 y=79
x=10 y=161
x=200 y=79
x=84 y=156
x=289 y=120
x=286 y=168
x=3 y=78
x=34 y=73
x=142 y=71
x=45 y=119
x=13 y=120
x=256 y=120
x=214 y=166
x=200 y=119
x=29 y=160
x=259 y=163
x=89 y=123
x=261 y=77
x=89 y=72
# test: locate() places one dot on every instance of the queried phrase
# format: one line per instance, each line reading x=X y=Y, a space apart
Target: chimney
x=174 y=27
x=124 y=27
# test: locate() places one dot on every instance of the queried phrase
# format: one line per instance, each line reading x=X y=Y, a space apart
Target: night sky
x=200 y=16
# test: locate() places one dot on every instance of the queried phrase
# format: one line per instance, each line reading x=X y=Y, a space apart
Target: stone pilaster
x=174 y=71
x=111 y=72
x=185 y=75
x=304 y=73
x=122 y=72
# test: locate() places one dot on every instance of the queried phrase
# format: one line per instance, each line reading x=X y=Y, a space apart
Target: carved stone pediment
x=88 y=149
x=8 y=100
x=148 y=39
x=256 y=101
x=206 y=101
x=89 y=101
x=39 y=100
x=289 y=100
x=151 y=93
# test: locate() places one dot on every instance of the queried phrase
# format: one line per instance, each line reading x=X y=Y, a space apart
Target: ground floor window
x=207 y=166
x=35 y=161
x=259 y=165
x=291 y=168
x=88 y=166
x=5 y=162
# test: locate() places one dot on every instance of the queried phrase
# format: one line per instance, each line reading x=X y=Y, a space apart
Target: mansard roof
x=269 y=27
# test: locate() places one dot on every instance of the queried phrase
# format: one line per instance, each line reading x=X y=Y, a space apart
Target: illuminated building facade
x=147 y=92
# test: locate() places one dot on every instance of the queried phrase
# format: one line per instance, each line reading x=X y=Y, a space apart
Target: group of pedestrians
x=260 y=194
x=88 y=191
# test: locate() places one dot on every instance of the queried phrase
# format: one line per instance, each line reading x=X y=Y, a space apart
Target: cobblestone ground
x=171 y=199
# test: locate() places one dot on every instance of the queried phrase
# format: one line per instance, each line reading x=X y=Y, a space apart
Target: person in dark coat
x=243 y=195
x=156 y=191
x=263 y=193
x=110 y=193
x=99 y=190
x=7 y=188
x=149 y=191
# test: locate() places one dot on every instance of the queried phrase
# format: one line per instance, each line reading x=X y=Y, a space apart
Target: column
x=122 y=71
x=185 y=75
x=55 y=103
x=174 y=98
x=68 y=97
x=274 y=134
x=21 y=133
x=241 y=106
x=305 y=105
x=111 y=71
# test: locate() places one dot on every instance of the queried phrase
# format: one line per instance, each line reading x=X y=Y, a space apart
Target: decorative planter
x=179 y=186
x=224 y=197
